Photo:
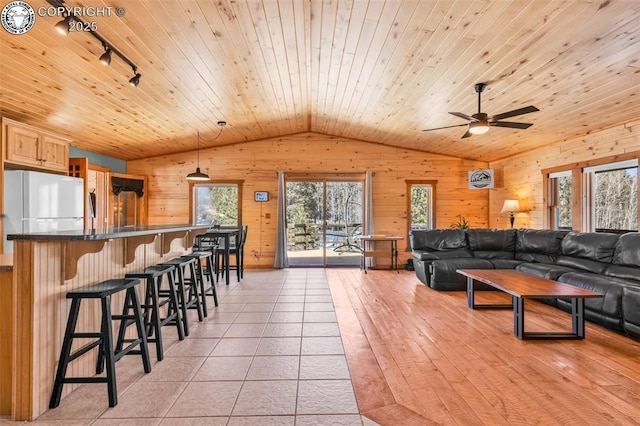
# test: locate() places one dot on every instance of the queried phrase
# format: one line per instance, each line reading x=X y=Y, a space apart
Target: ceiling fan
x=480 y=122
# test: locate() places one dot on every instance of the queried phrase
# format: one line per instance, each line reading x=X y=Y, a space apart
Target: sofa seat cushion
x=444 y=276
x=505 y=263
x=544 y=270
x=610 y=305
x=623 y=272
x=445 y=254
x=582 y=264
x=486 y=254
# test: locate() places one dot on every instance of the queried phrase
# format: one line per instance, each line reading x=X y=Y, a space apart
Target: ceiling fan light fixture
x=478 y=127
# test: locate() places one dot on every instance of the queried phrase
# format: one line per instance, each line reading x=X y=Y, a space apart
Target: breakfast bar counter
x=48 y=265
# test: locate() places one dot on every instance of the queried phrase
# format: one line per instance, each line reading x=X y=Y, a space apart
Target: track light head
x=135 y=80
x=105 y=58
x=63 y=26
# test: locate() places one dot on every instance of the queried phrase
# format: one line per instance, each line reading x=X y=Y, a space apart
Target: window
x=217 y=204
x=420 y=207
x=598 y=196
x=560 y=199
x=613 y=190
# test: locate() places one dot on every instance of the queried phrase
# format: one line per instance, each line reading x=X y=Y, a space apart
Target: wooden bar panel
x=41 y=306
x=6 y=322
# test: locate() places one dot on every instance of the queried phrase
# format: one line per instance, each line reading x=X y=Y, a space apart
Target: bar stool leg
x=108 y=351
x=140 y=326
x=61 y=372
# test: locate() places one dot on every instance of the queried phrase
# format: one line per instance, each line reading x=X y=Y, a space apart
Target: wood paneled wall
x=257 y=163
x=523 y=178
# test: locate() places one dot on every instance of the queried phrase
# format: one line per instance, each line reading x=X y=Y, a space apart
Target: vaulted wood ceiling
x=375 y=70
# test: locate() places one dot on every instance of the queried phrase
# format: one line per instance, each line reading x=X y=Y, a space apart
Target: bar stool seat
x=155 y=298
x=205 y=276
x=103 y=340
x=188 y=294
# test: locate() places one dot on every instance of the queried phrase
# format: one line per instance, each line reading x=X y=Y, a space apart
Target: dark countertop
x=103 y=234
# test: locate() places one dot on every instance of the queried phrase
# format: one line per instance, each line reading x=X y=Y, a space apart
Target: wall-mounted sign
x=481 y=179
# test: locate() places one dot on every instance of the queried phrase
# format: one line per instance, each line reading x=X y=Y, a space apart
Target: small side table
x=369 y=251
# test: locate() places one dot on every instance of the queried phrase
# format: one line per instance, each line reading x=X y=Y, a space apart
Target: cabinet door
x=23 y=146
x=54 y=153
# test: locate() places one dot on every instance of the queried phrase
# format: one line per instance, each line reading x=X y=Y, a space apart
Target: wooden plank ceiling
x=375 y=70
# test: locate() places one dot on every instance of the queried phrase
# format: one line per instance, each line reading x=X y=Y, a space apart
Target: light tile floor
x=270 y=354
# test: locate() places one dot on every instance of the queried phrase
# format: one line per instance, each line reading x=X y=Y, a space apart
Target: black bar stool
x=188 y=294
x=107 y=354
x=155 y=298
x=205 y=276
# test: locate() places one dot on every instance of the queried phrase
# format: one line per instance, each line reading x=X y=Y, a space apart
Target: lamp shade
x=197 y=176
x=510 y=206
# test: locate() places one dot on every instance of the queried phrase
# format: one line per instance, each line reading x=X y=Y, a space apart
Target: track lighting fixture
x=135 y=80
x=106 y=56
x=198 y=176
x=63 y=28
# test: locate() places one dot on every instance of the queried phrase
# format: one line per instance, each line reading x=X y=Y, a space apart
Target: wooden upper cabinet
x=26 y=146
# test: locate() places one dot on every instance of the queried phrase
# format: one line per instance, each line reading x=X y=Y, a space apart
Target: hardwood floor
x=419 y=357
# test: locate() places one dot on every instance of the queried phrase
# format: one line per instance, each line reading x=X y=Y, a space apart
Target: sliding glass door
x=324 y=217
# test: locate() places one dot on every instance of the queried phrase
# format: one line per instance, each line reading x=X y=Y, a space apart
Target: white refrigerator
x=41 y=202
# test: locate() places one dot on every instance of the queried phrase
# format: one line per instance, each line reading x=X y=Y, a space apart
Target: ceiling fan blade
x=464 y=116
x=466 y=135
x=519 y=111
x=445 y=127
x=511 y=124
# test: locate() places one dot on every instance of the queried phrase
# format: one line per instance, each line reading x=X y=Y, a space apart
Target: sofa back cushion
x=598 y=246
x=626 y=258
x=492 y=243
x=438 y=239
x=588 y=251
x=538 y=245
x=627 y=250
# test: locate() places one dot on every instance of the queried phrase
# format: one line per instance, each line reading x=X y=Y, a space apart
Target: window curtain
x=281 y=259
x=368 y=211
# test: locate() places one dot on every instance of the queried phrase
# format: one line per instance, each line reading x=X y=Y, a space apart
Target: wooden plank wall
x=257 y=163
x=523 y=178
x=6 y=322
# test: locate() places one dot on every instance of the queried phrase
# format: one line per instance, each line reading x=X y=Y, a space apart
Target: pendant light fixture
x=198 y=176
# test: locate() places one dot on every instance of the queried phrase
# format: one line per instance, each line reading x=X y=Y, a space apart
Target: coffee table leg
x=577 y=315
x=470 y=301
x=518 y=316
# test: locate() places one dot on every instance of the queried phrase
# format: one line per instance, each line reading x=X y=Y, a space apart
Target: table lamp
x=511 y=207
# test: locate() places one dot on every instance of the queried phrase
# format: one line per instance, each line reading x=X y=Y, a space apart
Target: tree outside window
x=216 y=204
x=615 y=200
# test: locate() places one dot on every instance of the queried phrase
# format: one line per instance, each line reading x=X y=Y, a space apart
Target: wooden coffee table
x=523 y=286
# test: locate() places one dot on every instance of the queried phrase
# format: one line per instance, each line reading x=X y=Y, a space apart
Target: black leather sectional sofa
x=602 y=262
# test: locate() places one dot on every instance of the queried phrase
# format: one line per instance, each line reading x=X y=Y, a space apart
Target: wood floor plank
x=419 y=356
